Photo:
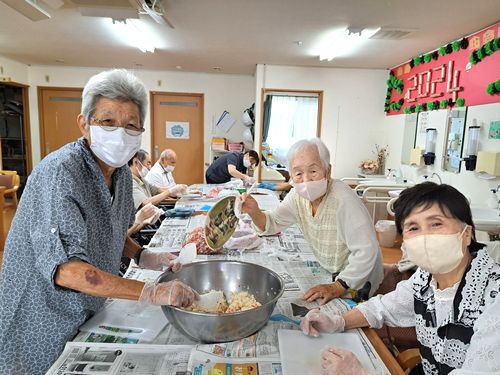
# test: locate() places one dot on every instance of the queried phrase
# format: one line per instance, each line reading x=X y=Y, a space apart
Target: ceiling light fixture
x=342 y=42
x=132 y=32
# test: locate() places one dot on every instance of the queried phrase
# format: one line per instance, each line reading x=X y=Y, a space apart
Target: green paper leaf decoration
x=456 y=46
x=406 y=110
x=488 y=48
x=442 y=51
x=496 y=44
x=443 y=103
x=497 y=85
x=490 y=89
x=427 y=58
x=472 y=59
x=418 y=108
x=460 y=102
x=480 y=55
x=417 y=60
x=430 y=106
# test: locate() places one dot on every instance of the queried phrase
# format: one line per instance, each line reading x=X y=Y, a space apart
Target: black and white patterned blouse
x=458 y=329
x=66 y=212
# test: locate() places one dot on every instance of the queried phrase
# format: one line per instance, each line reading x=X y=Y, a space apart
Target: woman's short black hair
x=254 y=155
x=451 y=202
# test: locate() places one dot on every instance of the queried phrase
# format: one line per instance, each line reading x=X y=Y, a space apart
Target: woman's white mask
x=311 y=190
x=436 y=253
x=115 y=148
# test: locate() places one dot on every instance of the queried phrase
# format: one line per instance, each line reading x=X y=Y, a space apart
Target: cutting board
x=301 y=354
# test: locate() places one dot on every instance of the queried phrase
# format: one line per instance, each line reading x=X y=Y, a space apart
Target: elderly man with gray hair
x=160 y=174
x=62 y=254
x=333 y=220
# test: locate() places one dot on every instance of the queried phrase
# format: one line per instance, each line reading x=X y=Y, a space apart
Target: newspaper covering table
x=288 y=254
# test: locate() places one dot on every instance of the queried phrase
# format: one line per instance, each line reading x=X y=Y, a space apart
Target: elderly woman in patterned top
x=452 y=299
x=332 y=218
x=63 y=251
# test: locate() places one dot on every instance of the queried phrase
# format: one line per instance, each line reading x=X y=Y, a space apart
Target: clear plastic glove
x=154 y=218
x=174 y=293
x=315 y=322
x=248 y=181
x=177 y=190
x=249 y=205
x=339 y=361
x=159 y=261
x=145 y=213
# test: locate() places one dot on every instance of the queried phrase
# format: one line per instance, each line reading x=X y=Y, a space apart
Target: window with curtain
x=291 y=118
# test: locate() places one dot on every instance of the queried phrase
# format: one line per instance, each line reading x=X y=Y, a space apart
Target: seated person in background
x=232 y=164
x=142 y=190
x=333 y=220
x=453 y=299
x=160 y=174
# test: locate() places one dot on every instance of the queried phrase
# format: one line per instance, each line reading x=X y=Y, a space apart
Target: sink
x=394 y=193
x=486 y=219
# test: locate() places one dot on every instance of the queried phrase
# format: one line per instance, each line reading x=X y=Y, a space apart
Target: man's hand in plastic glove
x=315 y=322
x=145 y=213
x=174 y=293
x=339 y=361
x=158 y=260
x=177 y=190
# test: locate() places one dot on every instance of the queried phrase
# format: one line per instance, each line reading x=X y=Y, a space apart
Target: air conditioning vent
x=391 y=34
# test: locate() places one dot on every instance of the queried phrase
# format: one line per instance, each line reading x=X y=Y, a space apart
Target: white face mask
x=144 y=171
x=115 y=148
x=311 y=190
x=169 y=168
x=436 y=253
x=246 y=163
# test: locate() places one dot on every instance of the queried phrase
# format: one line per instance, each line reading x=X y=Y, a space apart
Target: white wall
x=233 y=93
x=476 y=189
x=353 y=102
x=13 y=71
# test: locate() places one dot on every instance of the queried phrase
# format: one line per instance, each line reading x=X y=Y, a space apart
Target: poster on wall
x=460 y=73
x=177 y=130
x=494 y=132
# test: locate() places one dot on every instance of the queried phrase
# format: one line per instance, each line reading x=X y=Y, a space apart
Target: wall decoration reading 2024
x=177 y=130
x=494 y=132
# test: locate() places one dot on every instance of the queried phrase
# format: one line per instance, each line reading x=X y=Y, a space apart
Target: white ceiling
x=238 y=34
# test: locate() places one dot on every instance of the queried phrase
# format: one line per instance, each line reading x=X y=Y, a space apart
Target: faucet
x=392 y=173
x=438 y=177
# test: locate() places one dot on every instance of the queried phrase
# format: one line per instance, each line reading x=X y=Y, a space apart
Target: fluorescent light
x=133 y=33
x=342 y=42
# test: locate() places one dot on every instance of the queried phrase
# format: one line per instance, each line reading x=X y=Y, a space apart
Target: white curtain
x=292 y=118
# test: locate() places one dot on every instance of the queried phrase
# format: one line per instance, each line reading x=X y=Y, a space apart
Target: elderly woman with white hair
x=333 y=219
x=62 y=254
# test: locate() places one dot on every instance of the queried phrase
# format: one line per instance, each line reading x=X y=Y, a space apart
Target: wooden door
x=58 y=109
x=181 y=108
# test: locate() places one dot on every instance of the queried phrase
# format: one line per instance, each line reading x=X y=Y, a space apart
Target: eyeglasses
x=111 y=125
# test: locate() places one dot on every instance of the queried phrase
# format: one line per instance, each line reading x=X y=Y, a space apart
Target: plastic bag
x=244 y=238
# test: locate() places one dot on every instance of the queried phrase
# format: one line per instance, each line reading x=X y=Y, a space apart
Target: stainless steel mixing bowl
x=228 y=276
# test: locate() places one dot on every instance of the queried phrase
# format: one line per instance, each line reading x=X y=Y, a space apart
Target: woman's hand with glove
x=158 y=261
x=315 y=322
x=144 y=214
x=173 y=293
x=339 y=361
